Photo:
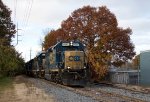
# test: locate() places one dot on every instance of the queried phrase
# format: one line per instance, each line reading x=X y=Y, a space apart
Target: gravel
x=92 y=93
x=61 y=94
x=124 y=92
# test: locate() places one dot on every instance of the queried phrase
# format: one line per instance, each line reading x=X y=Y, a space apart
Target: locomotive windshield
x=72 y=48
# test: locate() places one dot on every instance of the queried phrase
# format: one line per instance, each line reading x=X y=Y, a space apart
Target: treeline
x=107 y=44
x=11 y=62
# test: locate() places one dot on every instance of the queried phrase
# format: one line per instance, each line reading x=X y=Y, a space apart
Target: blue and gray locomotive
x=35 y=67
x=64 y=63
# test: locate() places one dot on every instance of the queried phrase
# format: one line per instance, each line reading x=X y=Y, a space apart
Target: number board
x=68 y=44
x=65 y=44
x=74 y=58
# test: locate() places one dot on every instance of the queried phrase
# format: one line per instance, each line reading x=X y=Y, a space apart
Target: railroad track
x=122 y=92
x=105 y=92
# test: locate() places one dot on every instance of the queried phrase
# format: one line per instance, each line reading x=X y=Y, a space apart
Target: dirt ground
x=24 y=91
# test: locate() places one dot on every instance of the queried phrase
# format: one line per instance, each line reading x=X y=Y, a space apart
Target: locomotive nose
x=74 y=59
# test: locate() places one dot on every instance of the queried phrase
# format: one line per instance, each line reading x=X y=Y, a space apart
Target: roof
x=145 y=51
x=123 y=70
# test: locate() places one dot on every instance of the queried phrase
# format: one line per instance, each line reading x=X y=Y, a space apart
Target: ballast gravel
x=145 y=97
x=92 y=93
x=61 y=94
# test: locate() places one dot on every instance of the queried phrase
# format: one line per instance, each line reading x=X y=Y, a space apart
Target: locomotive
x=64 y=63
x=34 y=67
x=28 y=67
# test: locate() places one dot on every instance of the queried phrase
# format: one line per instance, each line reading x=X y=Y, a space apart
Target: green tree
x=10 y=60
x=7 y=28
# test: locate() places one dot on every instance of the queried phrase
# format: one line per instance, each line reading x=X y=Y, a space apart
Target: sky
x=36 y=17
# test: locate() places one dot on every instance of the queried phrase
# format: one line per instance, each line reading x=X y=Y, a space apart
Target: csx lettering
x=74 y=58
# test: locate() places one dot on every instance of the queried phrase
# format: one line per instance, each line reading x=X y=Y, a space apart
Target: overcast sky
x=36 y=17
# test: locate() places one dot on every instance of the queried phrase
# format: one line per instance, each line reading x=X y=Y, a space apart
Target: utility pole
x=43 y=46
x=30 y=53
x=25 y=57
x=17 y=35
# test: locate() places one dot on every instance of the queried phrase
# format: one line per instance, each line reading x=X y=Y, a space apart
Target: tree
x=7 y=28
x=81 y=25
x=136 y=62
x=52 y=37
x=107 y=44
x=11 y=61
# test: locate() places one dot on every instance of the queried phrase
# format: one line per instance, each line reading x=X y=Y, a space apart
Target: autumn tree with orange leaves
x=53 y=37
x=106 y=43
x=136 y=62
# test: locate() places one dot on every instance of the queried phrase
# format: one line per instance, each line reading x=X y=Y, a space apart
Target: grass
x=5 y=82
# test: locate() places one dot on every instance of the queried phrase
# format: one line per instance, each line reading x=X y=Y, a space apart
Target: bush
x=11 y=62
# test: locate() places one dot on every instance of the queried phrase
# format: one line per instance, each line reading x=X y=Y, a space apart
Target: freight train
x=64 y=63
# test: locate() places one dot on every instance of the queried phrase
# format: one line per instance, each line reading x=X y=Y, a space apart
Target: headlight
x=71 y=43
x=68 y=67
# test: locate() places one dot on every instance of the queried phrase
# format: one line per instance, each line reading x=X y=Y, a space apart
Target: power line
x=26 y=12
x=15 y=9
x=29 y=13
x=24 y=16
